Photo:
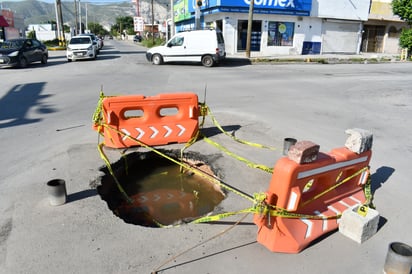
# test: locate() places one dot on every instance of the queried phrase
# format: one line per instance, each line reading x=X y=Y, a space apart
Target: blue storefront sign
x=286 y=7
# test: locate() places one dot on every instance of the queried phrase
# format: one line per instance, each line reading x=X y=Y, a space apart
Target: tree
x=405 y=39
x=32 y=34
x=96 y=28
x=403 y=8
x=123 y=23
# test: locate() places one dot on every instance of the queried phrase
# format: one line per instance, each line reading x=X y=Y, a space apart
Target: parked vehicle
x=81 y=47
x=137 y=38
x=21 y=52
x=99 y=43
x=205 y=46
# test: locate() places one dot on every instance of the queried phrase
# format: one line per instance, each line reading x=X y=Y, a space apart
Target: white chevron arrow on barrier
x=182 y=129
x=156 y=198
x=126 y=134
x=143 y=199
x=141 y=133
x=169 y=131
x=155 y=132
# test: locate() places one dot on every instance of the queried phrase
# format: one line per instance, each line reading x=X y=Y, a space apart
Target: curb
x=315 y=60
x=56 y=48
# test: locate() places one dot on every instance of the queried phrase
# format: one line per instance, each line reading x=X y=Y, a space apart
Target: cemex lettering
x=274 y=3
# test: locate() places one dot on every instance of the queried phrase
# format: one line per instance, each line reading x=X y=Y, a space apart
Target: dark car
x=21 y=52
x=137 y=38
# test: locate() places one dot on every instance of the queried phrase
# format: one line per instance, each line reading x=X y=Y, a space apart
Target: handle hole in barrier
x=133 y=113
x=169 y=111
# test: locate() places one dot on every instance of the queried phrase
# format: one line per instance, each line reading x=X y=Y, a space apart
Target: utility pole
x=76 y=26
x=60 y=15
x=153 y=23
x=87 y=26
x=56 y=4
x=80 y=18
x=197 y=14
x=249 y=28
x=172 y=19
x=59 y=23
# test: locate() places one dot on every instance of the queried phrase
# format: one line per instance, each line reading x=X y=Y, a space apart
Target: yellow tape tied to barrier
x=259 y=199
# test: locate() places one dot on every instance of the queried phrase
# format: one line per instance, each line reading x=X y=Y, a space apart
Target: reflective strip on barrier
x=331 y=167
x=363 y=178
x=293 y=200
x=325 y=222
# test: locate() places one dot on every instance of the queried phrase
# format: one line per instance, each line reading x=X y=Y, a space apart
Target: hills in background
x=38 y=12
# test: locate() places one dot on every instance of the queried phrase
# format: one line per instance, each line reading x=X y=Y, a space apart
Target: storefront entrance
x=242 y=35
x=372 y=38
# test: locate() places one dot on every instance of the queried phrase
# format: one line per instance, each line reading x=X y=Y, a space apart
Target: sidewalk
x=256 y=57
x=368 y=57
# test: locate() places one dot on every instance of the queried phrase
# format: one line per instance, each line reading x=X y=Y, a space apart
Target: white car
x=98 y=42
x=205 y=46
x=81 y=47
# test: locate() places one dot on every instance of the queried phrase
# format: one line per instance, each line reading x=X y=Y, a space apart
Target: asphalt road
x=45 y=133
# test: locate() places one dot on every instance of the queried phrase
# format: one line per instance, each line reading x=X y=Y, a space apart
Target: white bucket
x=287 y=143
x=57 y=192
x=399 y=259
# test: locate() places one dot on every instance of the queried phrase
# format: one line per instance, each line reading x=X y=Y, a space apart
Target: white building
x=281 y=27
x=44 y=32
x=382 y=30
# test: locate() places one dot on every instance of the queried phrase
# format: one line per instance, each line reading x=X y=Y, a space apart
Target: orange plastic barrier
x=300 y=188
x=154 y=120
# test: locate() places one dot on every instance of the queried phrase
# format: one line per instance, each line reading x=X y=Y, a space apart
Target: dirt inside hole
x=160 y=192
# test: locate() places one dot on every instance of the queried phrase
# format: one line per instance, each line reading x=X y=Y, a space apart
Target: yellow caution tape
x=260 y=207
x=97 y=115
x=259 y=199
x=183 y=164
x=334 y=186
x=367 y=190
x=266 y=211
x=109 y=167
x=237 y=157
x=209 y=112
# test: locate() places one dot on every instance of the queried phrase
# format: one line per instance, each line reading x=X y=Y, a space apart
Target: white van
x=205 y=46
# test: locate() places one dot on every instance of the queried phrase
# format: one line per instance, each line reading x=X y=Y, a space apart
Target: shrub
x=149 y=42
x=405 y=39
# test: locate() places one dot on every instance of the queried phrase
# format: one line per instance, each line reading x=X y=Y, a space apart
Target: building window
x=393 y=33
x=280 y=33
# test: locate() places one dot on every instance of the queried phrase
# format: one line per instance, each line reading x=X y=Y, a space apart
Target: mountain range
x=105 y=14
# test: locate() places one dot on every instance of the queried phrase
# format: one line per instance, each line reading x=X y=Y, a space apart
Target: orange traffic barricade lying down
x=154 y=120
x=308 y=188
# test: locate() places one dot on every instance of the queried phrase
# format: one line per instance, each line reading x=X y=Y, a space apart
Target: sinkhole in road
x=161 y=192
